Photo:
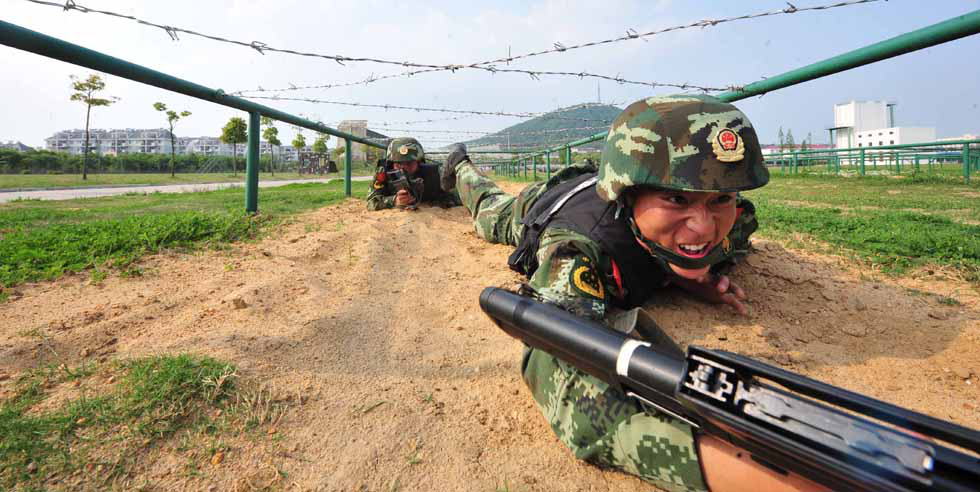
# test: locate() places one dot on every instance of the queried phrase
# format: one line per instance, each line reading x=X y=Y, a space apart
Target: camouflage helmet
x=681 y=142
x=405 y=149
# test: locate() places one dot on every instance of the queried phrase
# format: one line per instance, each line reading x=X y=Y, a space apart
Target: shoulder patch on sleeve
x=585 y=278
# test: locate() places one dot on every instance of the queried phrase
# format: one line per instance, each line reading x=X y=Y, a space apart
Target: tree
x=790 y=143
x=782 y=140
x=172 y=117
x=807 y=142
x=299 y=143
x=320 y=145
x=85 y=92
x=234 y=133
x=271 y=135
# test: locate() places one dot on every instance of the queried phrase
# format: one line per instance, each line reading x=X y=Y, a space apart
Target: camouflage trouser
x=496 y=215
x=599 y=423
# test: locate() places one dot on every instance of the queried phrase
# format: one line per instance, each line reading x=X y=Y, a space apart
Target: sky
x=938 y=87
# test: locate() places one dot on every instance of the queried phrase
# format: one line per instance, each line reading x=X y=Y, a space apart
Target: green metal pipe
x=883 y=147
x=252 y=164
x=44 y=45
x=547 y=164
x=948 y=30
x=348 y=163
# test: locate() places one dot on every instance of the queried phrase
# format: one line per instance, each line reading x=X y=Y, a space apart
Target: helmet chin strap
x=716 y=255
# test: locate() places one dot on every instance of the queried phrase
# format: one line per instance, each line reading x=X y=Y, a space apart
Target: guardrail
x=891 y=157
x=44 y=45
x=942 y=32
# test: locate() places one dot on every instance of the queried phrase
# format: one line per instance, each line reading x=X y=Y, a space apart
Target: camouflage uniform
x=426 y=179
x=599 y=422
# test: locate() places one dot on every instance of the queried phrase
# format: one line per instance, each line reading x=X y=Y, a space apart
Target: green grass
x=18 y=181
x=922 y=194
x=109 y=413
x=44 y=239
x=895 y=224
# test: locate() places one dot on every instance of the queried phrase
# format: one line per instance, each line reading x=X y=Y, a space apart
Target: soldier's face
x=410 y=167
x=689 y=223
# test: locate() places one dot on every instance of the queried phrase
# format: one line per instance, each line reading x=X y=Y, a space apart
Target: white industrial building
x=872 y=124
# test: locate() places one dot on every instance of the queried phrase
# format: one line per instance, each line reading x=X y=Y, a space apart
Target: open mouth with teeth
x=694 y=250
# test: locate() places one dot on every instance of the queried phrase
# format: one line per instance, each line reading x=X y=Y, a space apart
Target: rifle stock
x=840 y=439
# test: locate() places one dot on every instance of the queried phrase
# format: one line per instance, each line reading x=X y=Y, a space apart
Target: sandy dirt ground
x=372 y=319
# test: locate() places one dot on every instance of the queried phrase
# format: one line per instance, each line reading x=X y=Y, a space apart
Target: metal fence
x=940 y=158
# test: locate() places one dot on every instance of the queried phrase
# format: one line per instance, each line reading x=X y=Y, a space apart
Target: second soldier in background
x=404 y=179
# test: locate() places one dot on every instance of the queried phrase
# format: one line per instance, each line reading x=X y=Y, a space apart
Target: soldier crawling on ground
x=420 y=182
x=661 y=209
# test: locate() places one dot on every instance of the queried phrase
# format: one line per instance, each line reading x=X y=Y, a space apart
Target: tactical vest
x=431 y=191
x=575 y=205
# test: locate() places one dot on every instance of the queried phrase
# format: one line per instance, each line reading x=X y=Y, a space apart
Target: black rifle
x=834 y=437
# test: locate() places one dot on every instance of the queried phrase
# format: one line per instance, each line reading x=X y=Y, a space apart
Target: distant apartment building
x=151 y=141
x=11 y=145
x=214 y=146
x=111 y=142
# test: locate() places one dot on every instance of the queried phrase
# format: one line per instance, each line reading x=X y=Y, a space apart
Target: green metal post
x=534 y=166
x=547 y=164
x=796 y=162
x=252 y=165
x=966 y=162
x=348 y=164
x=568 y=155
x=898 y=162
x=861 y=161
x=917 y=163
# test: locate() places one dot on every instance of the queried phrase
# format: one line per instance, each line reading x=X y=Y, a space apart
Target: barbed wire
x=549 y=115
x=534 y=74
x=489 y=65
x=501 y=133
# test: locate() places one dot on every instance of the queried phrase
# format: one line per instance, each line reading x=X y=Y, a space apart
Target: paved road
x=68 y=194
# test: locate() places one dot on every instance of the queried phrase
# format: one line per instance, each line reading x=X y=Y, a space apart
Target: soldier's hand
x=730 y=293
x=403 y=198
x=717 y=289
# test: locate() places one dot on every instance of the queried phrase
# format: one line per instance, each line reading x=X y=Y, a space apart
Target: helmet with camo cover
x=405 y=149
x=681 y=142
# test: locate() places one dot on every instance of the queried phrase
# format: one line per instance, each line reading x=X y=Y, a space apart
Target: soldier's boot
x=447 y=175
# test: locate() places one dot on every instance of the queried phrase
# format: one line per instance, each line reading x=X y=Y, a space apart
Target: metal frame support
x=348 y=164
x=252 y=165
x=547 y=163
x=861 y=161
x=966 y=162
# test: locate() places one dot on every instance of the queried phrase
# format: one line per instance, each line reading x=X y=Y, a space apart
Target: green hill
x=551 y=129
